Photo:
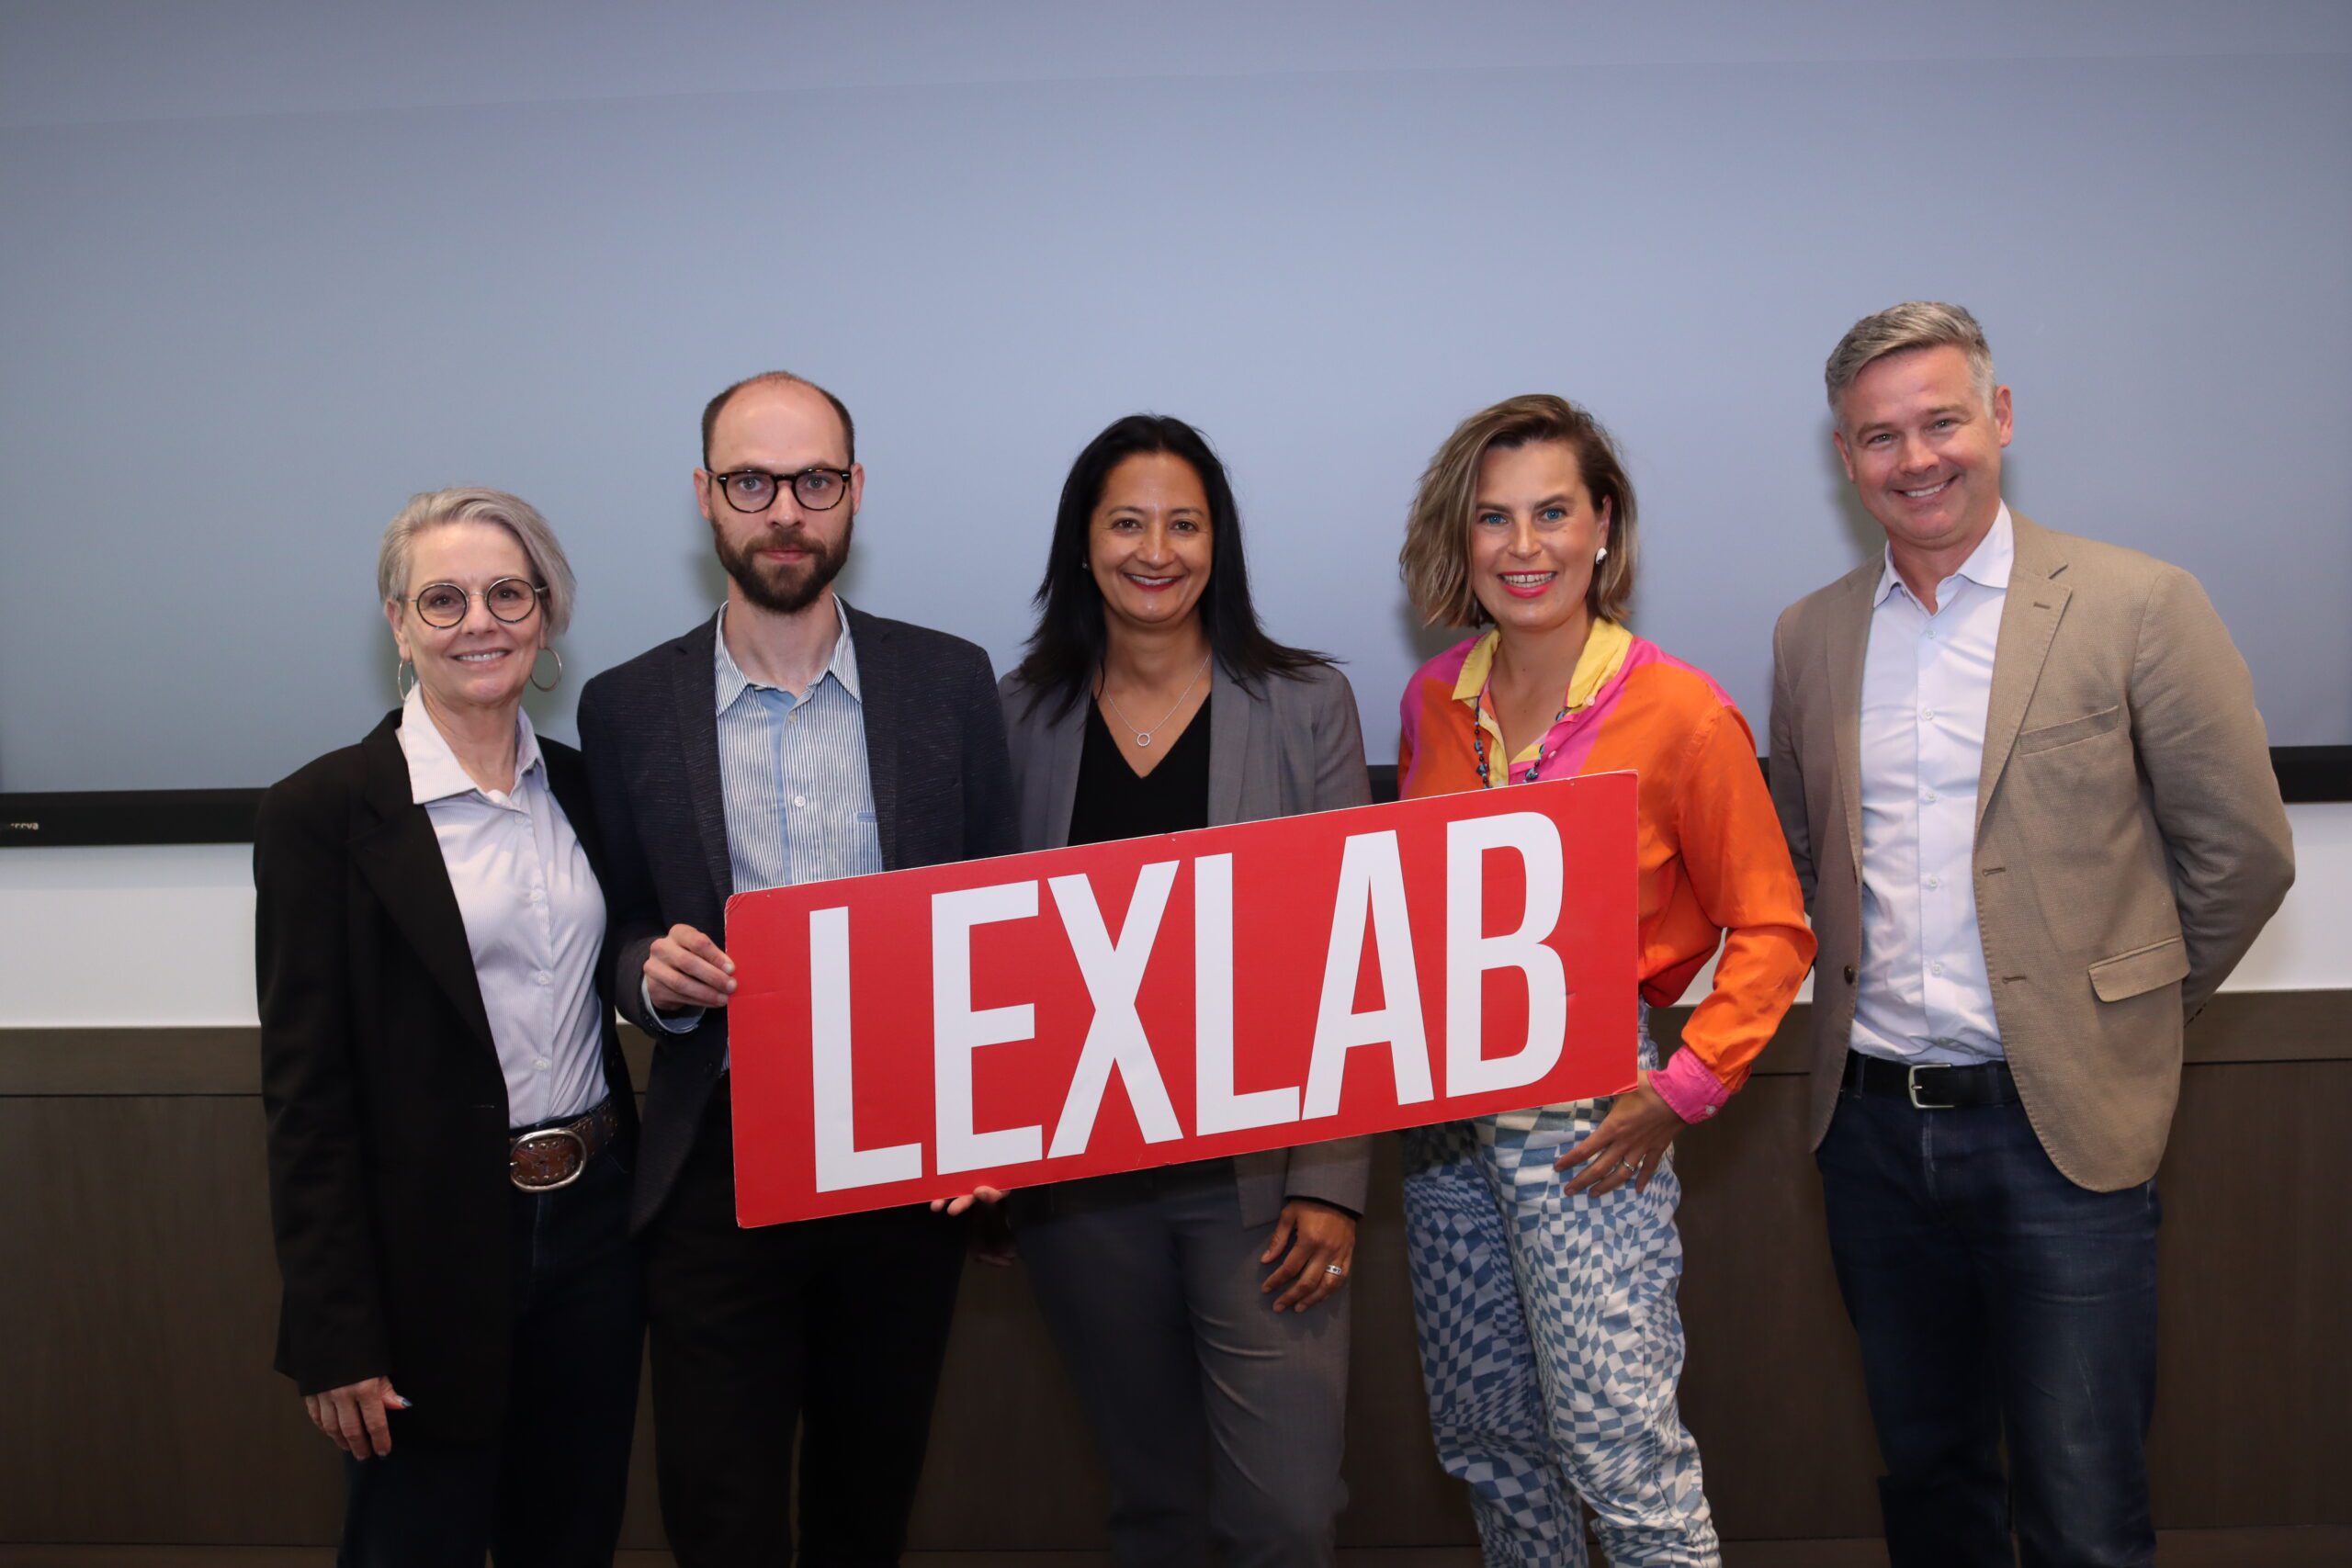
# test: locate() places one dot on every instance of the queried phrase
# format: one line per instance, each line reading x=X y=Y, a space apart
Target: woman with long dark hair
x=1201 y=1308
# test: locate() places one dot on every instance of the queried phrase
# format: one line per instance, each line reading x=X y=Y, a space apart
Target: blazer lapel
x=1845 y=641
x=697 y=696
x=879 y=698
x=401 y=857
x=1064 y=751
x=568 y=781
x=1229 y=713
x=2029 y=615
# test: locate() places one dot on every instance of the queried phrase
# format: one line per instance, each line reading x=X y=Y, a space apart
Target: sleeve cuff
x=684 y=1021
x=1690 y=1090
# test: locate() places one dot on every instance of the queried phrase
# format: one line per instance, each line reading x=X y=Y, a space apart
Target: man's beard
x=787 y=591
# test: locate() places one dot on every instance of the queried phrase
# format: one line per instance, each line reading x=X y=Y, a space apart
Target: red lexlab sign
x=1035 y=1018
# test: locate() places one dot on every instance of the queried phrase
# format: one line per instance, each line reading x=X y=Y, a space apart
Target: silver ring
x=1333 y=1269
x=1631 y=1168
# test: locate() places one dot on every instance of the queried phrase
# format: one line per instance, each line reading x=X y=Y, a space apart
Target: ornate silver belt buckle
x=1911 y=1083
x=548 y=1159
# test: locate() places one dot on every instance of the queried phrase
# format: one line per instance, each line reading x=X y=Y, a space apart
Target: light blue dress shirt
x=792 y=771
x=534 y=917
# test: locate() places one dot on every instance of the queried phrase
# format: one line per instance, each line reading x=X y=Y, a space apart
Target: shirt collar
x=1605 y=647
x=434 y=771
x=730 y=682
x=1988 y=565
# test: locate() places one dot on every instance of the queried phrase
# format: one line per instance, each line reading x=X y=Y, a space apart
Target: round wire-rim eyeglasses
x=444 y=604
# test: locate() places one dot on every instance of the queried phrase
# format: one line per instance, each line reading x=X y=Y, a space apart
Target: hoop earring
x=404 y=691
x=552 y=686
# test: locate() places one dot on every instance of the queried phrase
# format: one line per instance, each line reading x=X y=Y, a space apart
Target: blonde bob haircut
x=1435 y=562
x=438 y=508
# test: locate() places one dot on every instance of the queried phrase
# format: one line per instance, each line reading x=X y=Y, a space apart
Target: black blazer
x=649 y=732
x=387 y=1129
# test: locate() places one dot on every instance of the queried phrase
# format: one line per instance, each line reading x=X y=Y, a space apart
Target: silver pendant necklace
x=1143 y=737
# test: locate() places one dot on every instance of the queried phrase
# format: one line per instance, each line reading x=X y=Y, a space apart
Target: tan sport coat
x=2129 y=838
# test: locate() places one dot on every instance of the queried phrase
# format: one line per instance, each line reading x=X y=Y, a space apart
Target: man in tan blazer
x=2031 y=804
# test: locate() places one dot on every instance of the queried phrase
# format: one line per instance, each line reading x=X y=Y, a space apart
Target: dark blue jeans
x=1995 y=1300
x=548 y=1493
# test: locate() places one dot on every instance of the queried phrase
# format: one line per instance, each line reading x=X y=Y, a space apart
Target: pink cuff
x=1690 y=1090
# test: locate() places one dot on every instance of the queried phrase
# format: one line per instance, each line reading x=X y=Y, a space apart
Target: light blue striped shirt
x=800 y=805
x=792 y=772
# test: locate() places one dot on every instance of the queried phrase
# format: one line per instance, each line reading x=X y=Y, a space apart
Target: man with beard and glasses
x=790 y=738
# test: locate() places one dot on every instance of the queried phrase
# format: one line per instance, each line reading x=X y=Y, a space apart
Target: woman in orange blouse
x=1550 y=1341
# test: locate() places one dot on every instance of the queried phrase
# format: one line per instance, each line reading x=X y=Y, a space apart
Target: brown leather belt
x=548 y=1157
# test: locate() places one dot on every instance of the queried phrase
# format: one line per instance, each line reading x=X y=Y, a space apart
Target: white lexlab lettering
x=1372 y=884
x=1469 y=952
x=1216 y=1108
x=958 y=1029
x=840 y=1162
x=1114 y=972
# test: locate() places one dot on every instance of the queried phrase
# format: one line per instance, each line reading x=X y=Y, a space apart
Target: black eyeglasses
x=753 y=490
x=444 y=604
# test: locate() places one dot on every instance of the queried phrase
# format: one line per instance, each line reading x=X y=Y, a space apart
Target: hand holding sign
x=686 y=969
x=924 y=1033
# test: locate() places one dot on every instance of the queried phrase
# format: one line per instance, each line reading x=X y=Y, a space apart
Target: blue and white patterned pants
x=1551 y=1344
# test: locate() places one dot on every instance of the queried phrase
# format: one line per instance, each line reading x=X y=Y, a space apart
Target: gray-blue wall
x=267 y=268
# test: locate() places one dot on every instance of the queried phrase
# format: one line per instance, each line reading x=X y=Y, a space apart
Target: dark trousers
x=1219 y=1419
x=1996 y=1302
x=839 y=1325
x=548 y=1493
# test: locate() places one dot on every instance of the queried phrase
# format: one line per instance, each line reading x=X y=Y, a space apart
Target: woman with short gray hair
x=450 y=1121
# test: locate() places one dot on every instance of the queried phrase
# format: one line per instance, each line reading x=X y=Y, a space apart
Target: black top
x=1115 y=803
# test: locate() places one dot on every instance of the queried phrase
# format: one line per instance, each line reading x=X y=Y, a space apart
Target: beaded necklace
x=1478 y=742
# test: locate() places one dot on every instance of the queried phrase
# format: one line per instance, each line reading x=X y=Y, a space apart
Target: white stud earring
x=1601 y=555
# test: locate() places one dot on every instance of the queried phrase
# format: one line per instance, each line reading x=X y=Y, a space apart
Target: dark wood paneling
x=2254 y=1382
x=138 y=1314
x=2240 y=1026
x=138 y=1326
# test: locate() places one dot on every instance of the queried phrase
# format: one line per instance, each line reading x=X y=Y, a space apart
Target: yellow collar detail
x=1605 y=649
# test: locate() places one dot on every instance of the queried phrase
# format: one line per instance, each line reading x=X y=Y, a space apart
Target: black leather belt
x=1932 y=1086
x=545 y=1159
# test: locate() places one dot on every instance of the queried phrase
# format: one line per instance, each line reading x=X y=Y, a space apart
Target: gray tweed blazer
x=1277 y=747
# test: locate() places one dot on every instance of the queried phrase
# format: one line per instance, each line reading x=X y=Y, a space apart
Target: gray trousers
x=1219 y=1419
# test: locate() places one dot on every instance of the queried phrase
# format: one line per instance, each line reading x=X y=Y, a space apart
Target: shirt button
x=541 y=1064
x=538 y=896
x=544 y=978
x=1928 y=712
x=1935 y=968
x=800 y=800
x=1929 y=797
x=1935 y=882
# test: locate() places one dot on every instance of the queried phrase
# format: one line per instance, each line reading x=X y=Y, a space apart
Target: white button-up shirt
x=534 y=915
x=1922 y=993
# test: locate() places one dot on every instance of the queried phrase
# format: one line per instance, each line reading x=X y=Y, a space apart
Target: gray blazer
x=1277 y=747
x=2129 y=839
